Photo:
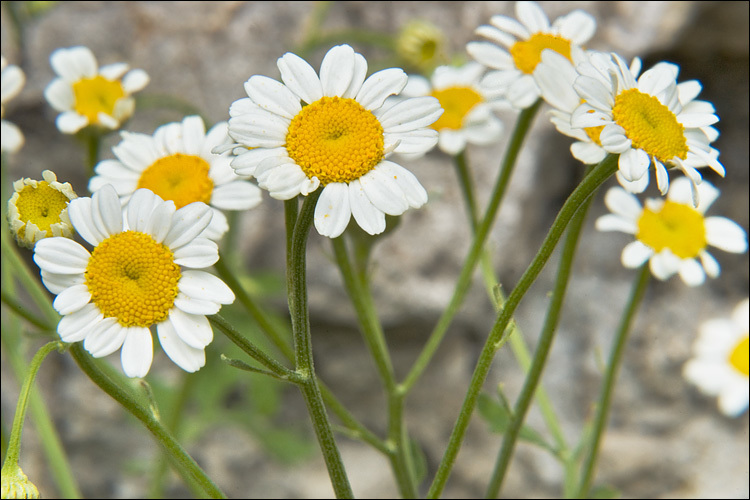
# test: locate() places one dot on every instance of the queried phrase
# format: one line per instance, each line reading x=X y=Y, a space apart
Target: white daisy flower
x=39 y=209
x=720 y=365
x=339 y=140
x=12 y=79
x=85 y=94
x=177 y=164
x=468 y=111
x=647 y=119
x=524 y=43
x=142 y=271
x=670 y=234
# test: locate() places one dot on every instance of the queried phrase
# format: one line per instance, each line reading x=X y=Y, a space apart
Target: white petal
x=60 y=95
x=587 y=152
x=633 y=164
x=283 y=181
x=247 y=162
x=369 y=218
x=105 y=338
x=72 y=299
x=332 y=211
x=106 y=211
x=722 y=233
x=416 y=142
x=413 y=191
x=410 y=114
x=56 y=283
x=199 y=253
x=74 y=63
x=510 y=25
x=622 y=203
x=337 y=70
x=202 y=285
x=734 y=402
x=664 y=264
x=273 y=96
x=710 y=264
x=137 y=352
x=187 y=223
x=190 y=359
x=578 y=26
x=61 y=256
x=300 y=77
x=490 y=55
x=532 y=16
x=635 y=254
x=74 y=327
x=523 y=92
x=691 y=272
x=135 y=80
x=384 y=192
x=193 y=305
x=451 y=142
x=379 y=86
x=237 y=195
x=260 y=129
x=70 y=122
x=637 y=186
x=193 y=329
x=612 y=222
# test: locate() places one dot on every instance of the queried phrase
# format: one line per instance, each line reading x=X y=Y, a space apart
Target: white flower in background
x=467 y=110
x=11 y=82
x=86 y=94
x=339 y=141
x=720 y=363
x=39 y=209
x=646 y=119
x=177 y=164
x=516 y=48
x=671 y=235
x=143 y=271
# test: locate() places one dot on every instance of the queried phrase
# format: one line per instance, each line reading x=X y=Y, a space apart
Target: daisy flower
x=177 y=164
x=85 y=94
x=468 y=112
x=646 y=119
x=338 y=141
x=523 y=44
x=720 y=365
x=143 y=271
x=39 y=209
x=12 y=80
x=670 y=233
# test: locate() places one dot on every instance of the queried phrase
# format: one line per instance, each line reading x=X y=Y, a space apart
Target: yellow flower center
x=95 y=95
x=675 y=226
x=456 y=103
x=40 y=205
x=594 y=133
x=133 y=278
x=739 y=356
x=528 y=53
x=335 y=139
x=650 y=125
x=181 y=178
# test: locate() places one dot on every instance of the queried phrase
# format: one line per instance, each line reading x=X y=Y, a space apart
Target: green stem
x=543 y=347
x=357 y=286
x=182 y=461
x=610 y=376
x=14 y=444
x=297 y=282
x=93 y=140
x=464 y=280
x=585 y=189
x=467 y=188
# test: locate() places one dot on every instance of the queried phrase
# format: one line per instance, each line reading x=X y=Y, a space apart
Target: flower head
x=720 y=363
x=15 y=484
x=39 y=209
x=671 y=234
x=177 y=164
x=143 y=271
x=12 y=80
x=339 y=140
x=85 y=94
x=646 y=119
x=523 y=43
x=468 y=112
x=421 y=44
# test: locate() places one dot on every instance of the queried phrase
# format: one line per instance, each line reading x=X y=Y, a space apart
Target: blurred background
x=665 y=439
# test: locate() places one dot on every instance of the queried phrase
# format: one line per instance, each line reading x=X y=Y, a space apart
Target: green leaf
x=498 y=417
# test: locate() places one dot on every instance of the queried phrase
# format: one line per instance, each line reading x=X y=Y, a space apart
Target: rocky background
x=665 y=439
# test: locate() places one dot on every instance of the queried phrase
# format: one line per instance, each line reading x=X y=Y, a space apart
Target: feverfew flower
x=524 y=43
x=720 y=365
x=177 y=164
x=85 y=94
x=647 y=119
x=338 y=141
x=468 y=112
x=11 y=82
x=143 y=271
x=39 y=209
x=670 y=234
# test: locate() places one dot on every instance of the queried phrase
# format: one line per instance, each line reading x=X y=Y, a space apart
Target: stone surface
x=665 y=439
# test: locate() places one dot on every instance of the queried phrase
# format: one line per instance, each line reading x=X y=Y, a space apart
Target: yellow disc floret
x=133 y=278
x=181 y=178
x=528 y=53
x=738 y=358
x=675 y=226
x=40 y=205
x=456 y=103
x=335 y=139
x=650 y=125
x=95 y=95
